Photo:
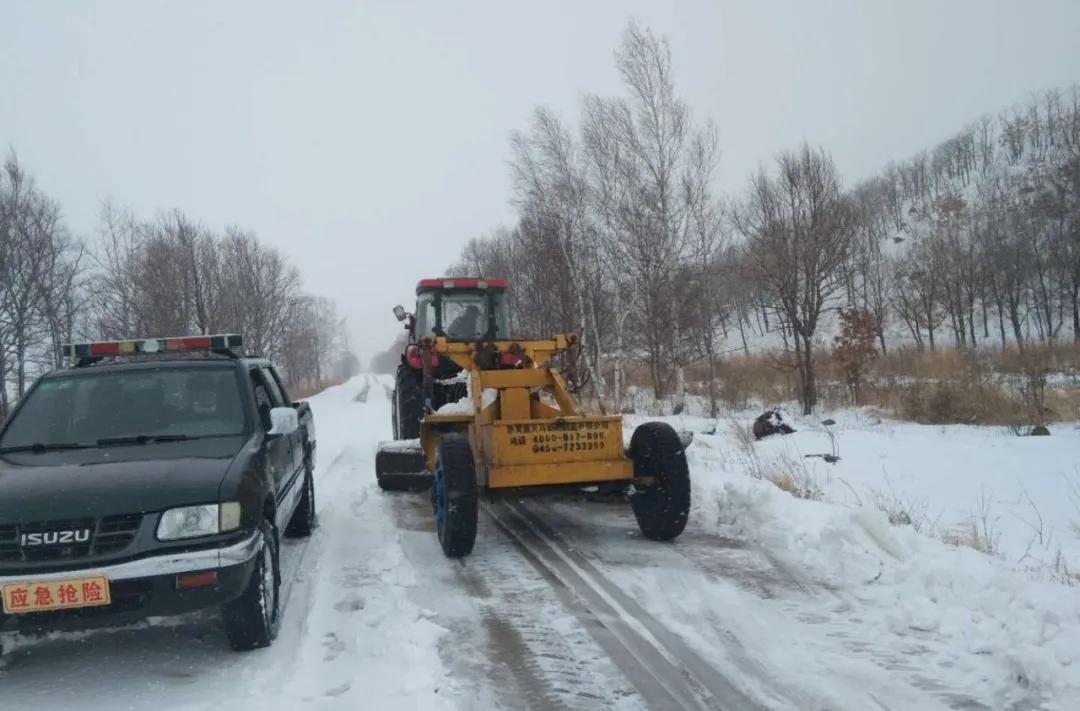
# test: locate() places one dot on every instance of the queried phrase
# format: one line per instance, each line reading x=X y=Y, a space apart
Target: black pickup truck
x=153 y=478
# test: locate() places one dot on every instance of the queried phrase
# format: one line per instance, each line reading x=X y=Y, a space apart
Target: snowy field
x=767 y=601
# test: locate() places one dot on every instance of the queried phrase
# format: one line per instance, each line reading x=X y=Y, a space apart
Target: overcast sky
x=369 y=140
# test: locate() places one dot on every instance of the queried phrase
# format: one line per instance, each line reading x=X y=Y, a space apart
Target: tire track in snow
x=666 y=671
x=769 y=576
x=532 y=651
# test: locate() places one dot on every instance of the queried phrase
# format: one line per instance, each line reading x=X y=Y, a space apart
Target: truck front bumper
x=147 y=587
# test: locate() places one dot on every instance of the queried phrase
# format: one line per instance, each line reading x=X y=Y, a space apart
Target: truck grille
x=111 y=534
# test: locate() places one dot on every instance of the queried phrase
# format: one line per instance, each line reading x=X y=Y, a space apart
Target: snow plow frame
x=517 y=440
x=520 y=430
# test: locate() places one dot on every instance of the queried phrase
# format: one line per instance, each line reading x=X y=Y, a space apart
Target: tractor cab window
x=425 y=315
x=461 y=315
x=465 y=316
x=502 y=322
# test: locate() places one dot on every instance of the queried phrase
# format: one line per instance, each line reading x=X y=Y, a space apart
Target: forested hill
x=622 y=237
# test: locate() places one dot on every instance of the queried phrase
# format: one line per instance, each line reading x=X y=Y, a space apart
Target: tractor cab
x=459 y=310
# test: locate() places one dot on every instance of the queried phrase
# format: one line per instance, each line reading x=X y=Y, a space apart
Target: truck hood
x=89 y=483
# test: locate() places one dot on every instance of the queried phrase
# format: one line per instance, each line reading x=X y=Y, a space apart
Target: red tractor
x=467 y=310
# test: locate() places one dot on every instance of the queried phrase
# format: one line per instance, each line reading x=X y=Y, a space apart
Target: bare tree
x=797 y=226
x=552 y=195
x=707 y=242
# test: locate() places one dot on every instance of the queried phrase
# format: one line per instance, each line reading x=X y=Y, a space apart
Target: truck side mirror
x=283 y=421
x=399 y=312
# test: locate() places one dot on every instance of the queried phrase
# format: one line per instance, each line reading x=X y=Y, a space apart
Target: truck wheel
x=454 y=495
x=408 y=403
x=251 y=621
x=302 y=522
x=663 y=508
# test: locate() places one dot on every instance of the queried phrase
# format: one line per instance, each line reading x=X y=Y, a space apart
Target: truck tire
x=408 y=404
x=662 y=509
x=252 y=620
x=454 y=495
x=302 y=523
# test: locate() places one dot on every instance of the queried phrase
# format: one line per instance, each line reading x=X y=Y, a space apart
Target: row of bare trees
x=618 y=225
x=40 y=271
x=622 y=238
x=173 y=275
x=136 y=278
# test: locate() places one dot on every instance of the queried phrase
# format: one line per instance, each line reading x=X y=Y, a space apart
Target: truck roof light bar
x=228 y=343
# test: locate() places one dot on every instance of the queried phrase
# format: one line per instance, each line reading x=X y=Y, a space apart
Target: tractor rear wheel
x=663 y=508
x=408 y=406
x=454 y=495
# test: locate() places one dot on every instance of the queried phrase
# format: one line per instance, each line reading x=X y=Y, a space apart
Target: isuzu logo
x=54 y=538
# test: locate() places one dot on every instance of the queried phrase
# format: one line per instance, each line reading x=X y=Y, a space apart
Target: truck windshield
x=141 y=404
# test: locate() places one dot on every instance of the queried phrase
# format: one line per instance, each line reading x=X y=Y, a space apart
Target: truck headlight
x=195 y=521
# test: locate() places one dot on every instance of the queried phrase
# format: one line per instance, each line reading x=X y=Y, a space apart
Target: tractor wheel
x=454 y=495
x=393 y=414
x=408 y=404
x=663 y=508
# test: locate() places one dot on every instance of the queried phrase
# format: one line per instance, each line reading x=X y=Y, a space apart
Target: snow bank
x=1000 y=634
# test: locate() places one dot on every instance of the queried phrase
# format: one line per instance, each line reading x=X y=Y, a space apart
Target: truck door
x=278 y=393
x=279 y=452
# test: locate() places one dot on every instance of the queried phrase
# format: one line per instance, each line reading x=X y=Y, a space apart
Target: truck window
x=277 y=393
x=192 y=401
x=263 y=400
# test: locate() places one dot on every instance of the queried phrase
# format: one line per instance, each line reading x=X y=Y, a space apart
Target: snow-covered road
x=561 y=606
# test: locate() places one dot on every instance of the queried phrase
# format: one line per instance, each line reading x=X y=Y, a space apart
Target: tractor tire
x=393 y=414
x=408 y=404
x=454 y=495
x=662 y=509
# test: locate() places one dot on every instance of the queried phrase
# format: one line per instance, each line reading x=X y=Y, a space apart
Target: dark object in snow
x=829 y=422
x=769 y=423
x=1040 y=431
x=899 y=518
x=686 y=438
x=829 y=458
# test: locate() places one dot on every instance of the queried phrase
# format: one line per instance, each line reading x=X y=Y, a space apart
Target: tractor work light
x=99 y=349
